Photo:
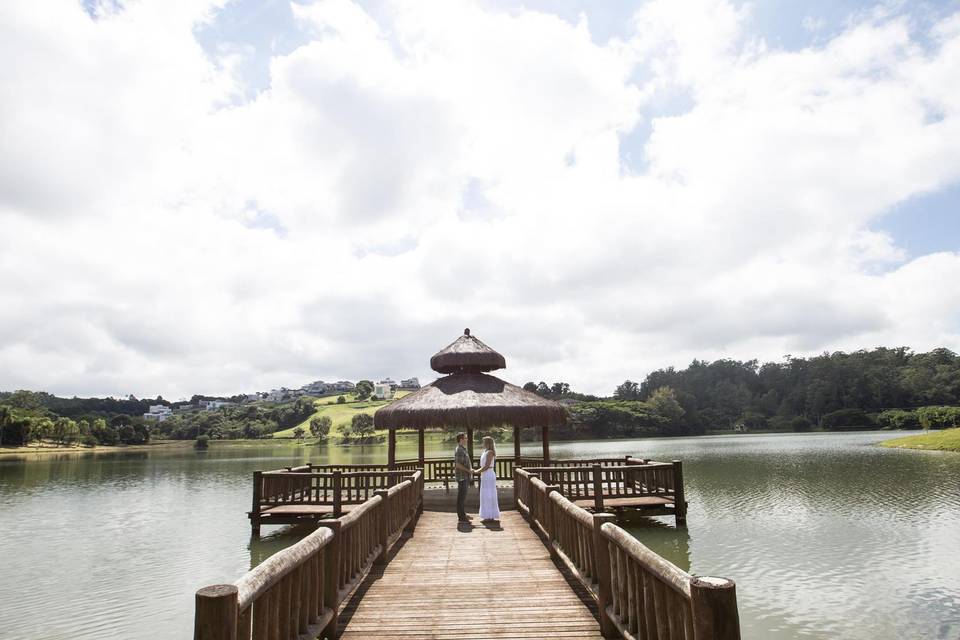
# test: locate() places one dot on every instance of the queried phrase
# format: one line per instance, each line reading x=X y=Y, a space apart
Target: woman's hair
x=488 y=444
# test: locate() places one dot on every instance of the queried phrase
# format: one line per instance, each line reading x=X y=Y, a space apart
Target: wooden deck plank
x=468 y=583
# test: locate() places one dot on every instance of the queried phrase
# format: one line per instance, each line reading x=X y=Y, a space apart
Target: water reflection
x=826 y=535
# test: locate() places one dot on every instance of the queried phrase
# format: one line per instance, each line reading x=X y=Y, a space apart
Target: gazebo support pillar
x=420 y=447
x=391 y=449
x=470 y=444
x=516 y=446
x=546 y=446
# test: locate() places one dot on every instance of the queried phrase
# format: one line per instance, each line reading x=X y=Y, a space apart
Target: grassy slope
x=340 y=414
x=946 y=440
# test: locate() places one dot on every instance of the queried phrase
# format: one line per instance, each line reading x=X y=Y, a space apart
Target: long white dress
x=489 y=509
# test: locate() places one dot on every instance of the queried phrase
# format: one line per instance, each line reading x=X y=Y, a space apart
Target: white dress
x=489 y=509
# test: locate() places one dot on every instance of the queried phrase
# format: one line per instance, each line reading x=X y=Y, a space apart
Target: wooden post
x=598 y=488
x=550 y=521
x=601 y=551
x=337 y=497
x=713 y=603
x=216 y=613
x=331 y=574
x=391 y=449
x=470 y=446
x=516 y=489
x=546 y=447
x=257 y=494
x=680 y=503
x=516 y=446
x=421 y=447
x=383 y=526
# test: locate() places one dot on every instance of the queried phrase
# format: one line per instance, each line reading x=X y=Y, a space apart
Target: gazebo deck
x=469 y=582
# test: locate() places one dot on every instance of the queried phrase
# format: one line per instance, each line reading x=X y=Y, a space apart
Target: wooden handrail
x=639 y=593
x=297 y=591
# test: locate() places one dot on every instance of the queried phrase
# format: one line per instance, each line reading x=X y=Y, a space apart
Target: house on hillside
x=410 y=384
x=158 y=412
x=383 y=391
x=391 y=382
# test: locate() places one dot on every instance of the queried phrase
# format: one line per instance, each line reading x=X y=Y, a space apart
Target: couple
x=489 y=509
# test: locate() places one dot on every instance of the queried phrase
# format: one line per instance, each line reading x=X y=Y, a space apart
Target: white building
x=213 y=405
x=410 y=383
x=383 y=391
x=275 y=395
x=158 y=412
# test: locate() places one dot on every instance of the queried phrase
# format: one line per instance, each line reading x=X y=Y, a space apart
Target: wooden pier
x=386 y=568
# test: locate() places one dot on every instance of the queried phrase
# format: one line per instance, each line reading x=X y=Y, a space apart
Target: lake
x=826 y=535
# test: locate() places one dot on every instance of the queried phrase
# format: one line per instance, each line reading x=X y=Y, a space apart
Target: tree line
x=889 y=388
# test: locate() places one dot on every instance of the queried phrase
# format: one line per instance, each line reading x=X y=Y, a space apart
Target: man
x=464 y=472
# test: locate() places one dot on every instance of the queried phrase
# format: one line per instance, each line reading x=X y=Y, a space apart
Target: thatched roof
x=467 y=354
x=473 y=400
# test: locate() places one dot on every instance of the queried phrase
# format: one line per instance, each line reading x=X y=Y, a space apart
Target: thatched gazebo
x=469 y=399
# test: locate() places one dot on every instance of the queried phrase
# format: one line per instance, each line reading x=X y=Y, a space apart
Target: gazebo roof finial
x=467 y=354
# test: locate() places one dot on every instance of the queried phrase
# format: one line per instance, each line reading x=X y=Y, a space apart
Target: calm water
x=826 y=535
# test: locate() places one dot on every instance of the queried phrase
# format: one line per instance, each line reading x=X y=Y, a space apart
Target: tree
x=363 y=389
x=362 y=425
x=543 y=389
x=629 y=390
x=5 y=419
x=104 y=433
x=41 y=428
x=341 y=400
x=531 y=387
x=664 y=403
x=560 y=389
x=320 y=426
x=65 y=431
x=126 y=434
x=298 y=433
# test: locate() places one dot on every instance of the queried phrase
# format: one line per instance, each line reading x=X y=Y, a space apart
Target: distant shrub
x=938 y=417
x=341 y=400
x=898 y=419
x=799 y=424
x=202 y=442
x=88 y=440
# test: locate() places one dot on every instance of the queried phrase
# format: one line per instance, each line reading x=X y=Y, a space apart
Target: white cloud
x=448 y=165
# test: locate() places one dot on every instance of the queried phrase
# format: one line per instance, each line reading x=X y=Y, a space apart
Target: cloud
x=437 y=165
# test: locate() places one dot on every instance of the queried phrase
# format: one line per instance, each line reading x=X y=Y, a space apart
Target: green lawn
x=946 y=440
x=340 y=414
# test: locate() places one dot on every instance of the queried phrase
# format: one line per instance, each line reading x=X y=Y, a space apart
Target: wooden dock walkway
x=468 y=583
x=388 y=568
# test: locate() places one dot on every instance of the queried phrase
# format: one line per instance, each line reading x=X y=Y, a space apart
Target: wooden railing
x=333 y=487
x=297 y=592
x=632 y=478
x=638 y=593
x=441 y=469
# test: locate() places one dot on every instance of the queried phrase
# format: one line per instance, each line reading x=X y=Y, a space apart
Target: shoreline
x=30 y=450
x=943 y=440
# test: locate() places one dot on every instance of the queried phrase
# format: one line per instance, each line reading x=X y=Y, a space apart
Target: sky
x=211 y=196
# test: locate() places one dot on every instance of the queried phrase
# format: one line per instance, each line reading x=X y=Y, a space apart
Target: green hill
x=340 y=414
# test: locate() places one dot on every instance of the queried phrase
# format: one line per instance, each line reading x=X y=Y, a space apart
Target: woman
x=489 y=509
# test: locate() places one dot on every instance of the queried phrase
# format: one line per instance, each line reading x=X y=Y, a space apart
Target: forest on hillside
x=890 y=388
